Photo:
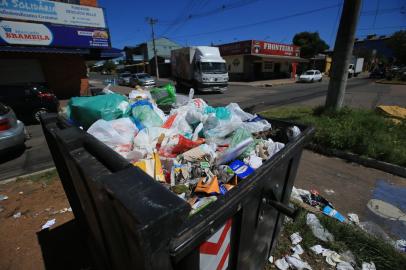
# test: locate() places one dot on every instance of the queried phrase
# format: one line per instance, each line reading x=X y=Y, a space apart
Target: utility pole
x=153 y=21
x=342 y=54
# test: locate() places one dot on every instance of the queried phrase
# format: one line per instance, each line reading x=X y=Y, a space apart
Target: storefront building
x=48 y=42
x=253 y=60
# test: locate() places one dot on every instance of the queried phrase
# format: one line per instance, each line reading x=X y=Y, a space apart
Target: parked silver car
x=142 y=79
x=124 y=79
x=12 y=131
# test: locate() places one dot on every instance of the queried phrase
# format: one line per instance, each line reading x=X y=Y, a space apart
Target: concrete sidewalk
x=265 y=83
x=350 y=187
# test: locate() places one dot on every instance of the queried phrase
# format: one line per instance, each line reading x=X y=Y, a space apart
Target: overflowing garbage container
x=189 y=187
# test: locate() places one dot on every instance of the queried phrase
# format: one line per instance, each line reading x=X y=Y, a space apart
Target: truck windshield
x=213 y=67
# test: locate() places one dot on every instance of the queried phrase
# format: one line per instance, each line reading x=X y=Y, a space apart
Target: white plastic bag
x=235 y=109
x=118 y=134
x=223 y=128
x=146 y=140
x=139 y=93
x=318 y=230
x=274 y=147
x=258 y=126
x=115 y=132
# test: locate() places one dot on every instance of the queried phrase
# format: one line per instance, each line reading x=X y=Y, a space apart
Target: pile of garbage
x=340 y=261
x=197 y=151
x=319 y=204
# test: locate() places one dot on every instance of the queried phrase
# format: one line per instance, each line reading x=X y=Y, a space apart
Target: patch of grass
x=363 y=132
x=45 y=177
x=347 y=237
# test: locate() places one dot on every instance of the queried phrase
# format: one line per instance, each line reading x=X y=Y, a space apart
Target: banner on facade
x=20 y=33
x=52 y=12
x=271 y=48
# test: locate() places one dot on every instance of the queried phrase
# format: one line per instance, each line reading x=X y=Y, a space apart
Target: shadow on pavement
x=12 y=153
x=63 y=248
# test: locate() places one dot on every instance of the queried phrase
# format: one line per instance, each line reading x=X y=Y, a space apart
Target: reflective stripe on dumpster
x=214 y=253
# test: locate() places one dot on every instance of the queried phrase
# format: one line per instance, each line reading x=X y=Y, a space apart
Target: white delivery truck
x=200 y=67
x=355 y=68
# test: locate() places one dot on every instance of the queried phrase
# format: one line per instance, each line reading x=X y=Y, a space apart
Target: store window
x=268 y=66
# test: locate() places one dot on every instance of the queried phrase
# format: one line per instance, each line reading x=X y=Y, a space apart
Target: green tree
x=310 y=44
x=398 y=44
x=109 y=66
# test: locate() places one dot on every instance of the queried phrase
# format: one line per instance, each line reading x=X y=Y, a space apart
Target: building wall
x=66 y=74
x=163 y=46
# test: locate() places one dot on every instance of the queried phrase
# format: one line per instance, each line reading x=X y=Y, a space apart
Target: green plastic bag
x=84 y=111
x=147 y=116
x=239 y=135
x=165 y=95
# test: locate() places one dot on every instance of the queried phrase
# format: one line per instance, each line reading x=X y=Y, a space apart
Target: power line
x=219 y=9
x=335 y=26
x=261 y=22
x=376 y=13
x=384 y=27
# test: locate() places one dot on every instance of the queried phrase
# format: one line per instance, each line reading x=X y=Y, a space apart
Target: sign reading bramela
x=22 y=33
x=53 y=12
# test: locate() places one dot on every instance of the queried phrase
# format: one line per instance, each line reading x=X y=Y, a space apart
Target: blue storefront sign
x=21 y=33
x=52 y=12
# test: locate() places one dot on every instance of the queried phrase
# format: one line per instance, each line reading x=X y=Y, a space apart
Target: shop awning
x=90 y=54
x=110 y=53
x=282 y=58
x=27 y=49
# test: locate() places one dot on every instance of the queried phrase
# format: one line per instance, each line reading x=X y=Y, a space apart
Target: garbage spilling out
x=17 y=215
x=48 y=224
x=197 y=151
x=318 y=230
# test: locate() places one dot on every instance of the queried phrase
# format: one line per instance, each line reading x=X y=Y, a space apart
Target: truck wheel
x=312 y=81
x=320 y=79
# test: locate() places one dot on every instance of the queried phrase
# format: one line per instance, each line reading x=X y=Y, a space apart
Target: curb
x=367 y=162
x=13 y=179
x=389 y=82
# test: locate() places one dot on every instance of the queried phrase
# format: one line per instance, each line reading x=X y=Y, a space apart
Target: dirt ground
x=38 y=200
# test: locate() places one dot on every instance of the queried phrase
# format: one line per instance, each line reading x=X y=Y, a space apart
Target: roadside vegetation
x=360 y=131
x=363 y=246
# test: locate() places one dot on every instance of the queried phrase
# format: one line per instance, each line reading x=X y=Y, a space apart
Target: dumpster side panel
x=68 y=141
x=149 y=214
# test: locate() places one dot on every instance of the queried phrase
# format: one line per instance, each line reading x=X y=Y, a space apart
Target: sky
x=203 y=22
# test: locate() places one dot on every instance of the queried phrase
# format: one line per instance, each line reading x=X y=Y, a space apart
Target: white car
x=311 y=76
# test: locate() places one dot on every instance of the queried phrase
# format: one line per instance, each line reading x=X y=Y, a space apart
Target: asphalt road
x=361 y=92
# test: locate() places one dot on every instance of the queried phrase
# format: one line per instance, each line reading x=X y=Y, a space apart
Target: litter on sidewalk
x=197 y=151
x=48 y=224
x=295 y=238
x=3 y=197
x=318 y=230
